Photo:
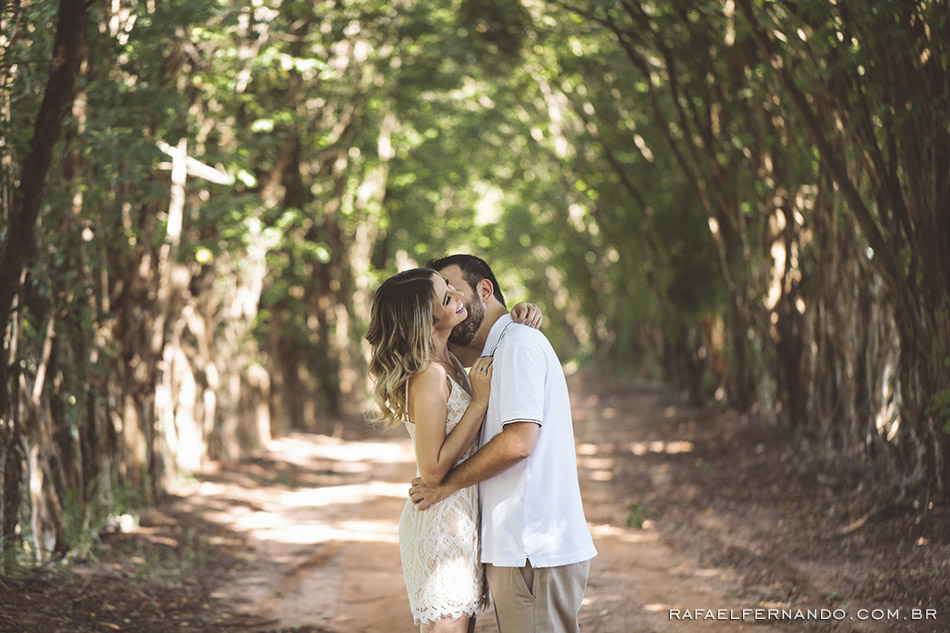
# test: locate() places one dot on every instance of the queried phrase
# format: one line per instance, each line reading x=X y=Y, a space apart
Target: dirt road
x=321 y=515
x=697 y=515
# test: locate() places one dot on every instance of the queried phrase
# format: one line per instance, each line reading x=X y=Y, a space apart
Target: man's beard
x=463 y=333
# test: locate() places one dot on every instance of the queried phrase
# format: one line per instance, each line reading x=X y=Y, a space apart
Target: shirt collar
x=494 y=334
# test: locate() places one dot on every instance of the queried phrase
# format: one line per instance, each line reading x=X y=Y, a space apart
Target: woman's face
x=448 y=310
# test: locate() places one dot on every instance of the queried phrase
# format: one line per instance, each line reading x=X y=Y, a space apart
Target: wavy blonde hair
x=400 y=331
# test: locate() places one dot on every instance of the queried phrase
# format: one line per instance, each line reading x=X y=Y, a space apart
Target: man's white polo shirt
x=532 y=510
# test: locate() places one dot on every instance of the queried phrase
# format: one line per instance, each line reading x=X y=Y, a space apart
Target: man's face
x=464 y=332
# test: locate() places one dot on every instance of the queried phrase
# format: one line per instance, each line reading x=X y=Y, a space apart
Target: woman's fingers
x=534 y=316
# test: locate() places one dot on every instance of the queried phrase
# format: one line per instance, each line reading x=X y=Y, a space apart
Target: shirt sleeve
x=521 y=388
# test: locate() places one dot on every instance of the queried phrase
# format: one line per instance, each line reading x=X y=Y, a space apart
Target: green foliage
x=82 y=527
x=940 y=404
x=638 y=515
x=16 y=562
x=115 y=505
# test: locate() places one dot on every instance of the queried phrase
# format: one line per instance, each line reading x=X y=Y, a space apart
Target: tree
x=69 y=49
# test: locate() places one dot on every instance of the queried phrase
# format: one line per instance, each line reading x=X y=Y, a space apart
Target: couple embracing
x=496 y=504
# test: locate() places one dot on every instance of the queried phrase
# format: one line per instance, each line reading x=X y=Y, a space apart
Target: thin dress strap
x=405 y=415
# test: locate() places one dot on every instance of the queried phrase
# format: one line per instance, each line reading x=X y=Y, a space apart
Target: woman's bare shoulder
x=432 y=379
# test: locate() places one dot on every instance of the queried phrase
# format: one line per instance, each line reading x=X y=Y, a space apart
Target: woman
x=418 y=382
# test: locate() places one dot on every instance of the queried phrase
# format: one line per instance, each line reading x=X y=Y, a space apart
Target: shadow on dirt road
x=697 y=515
x=321 y=514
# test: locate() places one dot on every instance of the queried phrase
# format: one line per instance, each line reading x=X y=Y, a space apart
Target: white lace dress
x=439 y=546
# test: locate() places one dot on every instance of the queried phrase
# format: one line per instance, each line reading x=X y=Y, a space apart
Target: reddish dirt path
x=321 y=517
x=731 y=515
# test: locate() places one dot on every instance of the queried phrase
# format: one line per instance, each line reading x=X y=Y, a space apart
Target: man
x=535 y=542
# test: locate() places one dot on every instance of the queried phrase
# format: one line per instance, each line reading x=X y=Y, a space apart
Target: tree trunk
x=68 y=51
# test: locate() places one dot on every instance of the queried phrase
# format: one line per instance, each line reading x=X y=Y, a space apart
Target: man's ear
x=485 y=290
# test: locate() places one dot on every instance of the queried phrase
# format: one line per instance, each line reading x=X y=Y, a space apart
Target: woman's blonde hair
x=400 y=331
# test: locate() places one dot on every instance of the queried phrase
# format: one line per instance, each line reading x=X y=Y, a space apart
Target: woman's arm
x=436 y=451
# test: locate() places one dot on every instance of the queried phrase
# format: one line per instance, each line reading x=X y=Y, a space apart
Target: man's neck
x=470 y=353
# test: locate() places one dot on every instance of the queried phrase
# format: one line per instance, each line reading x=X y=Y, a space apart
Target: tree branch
x=835 y=162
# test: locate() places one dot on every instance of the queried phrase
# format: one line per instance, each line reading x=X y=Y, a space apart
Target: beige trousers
x=538 y=599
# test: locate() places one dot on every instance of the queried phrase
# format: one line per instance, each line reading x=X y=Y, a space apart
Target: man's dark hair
x=474 y=269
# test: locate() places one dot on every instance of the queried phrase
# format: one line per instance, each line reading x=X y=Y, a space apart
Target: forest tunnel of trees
x=748 y=199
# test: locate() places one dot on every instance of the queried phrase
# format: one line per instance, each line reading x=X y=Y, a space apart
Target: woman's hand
x=424 y=495
x=527 y=313
x=480 y=377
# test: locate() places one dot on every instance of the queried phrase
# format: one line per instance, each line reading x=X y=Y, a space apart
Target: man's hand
x=424 y=496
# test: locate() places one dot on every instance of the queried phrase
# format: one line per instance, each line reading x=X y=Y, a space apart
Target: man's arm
x=515 y=443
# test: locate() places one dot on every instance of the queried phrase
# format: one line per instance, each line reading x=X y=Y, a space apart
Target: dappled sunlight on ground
x=284 y=528
x=690 y=511
x=637 y=578
x=321 y=516
x=310 y=449
x=670 y=448
x=355 y=493
x=639 y=448
x=623 y=534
